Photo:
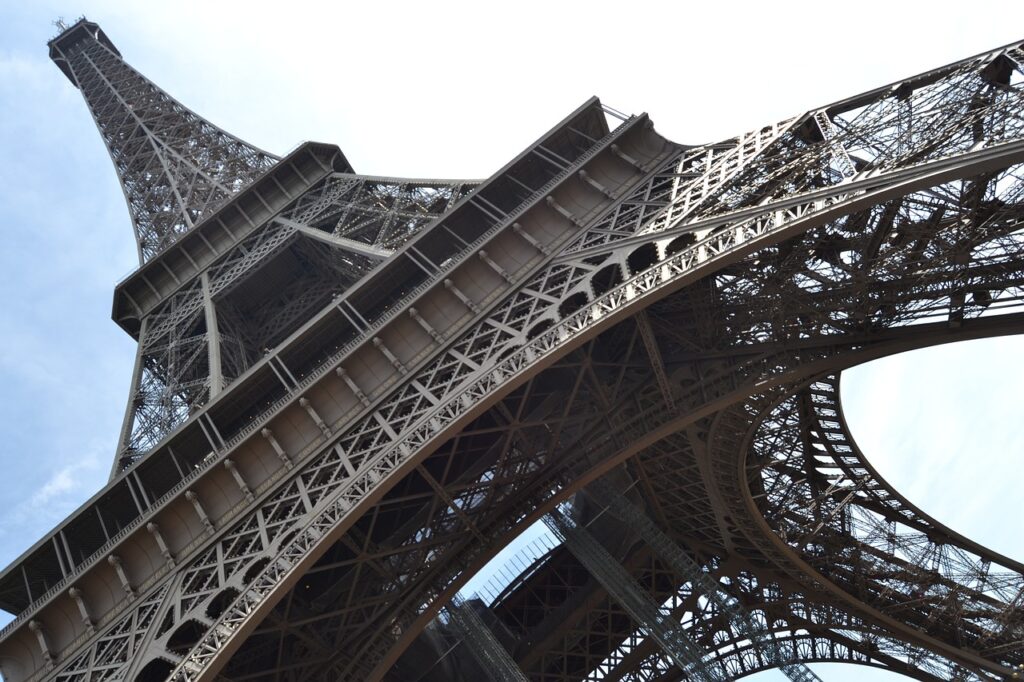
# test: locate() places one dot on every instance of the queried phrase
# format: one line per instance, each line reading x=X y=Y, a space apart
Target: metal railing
x=517 y=568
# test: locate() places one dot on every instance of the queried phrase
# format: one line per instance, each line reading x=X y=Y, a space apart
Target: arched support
x=854 y=530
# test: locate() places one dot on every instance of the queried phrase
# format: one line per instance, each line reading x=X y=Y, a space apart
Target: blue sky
x=448 y=90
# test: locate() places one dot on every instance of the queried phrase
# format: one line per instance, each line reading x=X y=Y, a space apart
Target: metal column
x=484 y=646
x=680 y=562
x=683 y=651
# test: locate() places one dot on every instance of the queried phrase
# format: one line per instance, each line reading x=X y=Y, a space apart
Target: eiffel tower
x=351 y=391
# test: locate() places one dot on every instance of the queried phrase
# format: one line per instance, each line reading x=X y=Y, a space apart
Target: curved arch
x=652 y=405
x=793 y=619
x=643 y=257
x=254 y=569
x=793 y=192
x=220 y=601
x=185 y=636
x=893 y=349
x=539 y=328
x=683 y=241
x=806 y=566
x=156 y=670
x=808 y=648
x=618 y=308
x=572 y=304
x=852 y=359
x=827 y=418
x=606 y=279
x=673 y=425
x=892 y=493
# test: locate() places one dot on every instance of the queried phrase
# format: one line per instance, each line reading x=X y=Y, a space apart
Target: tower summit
x=206 y=310
x=352 y=391
x=174 y=166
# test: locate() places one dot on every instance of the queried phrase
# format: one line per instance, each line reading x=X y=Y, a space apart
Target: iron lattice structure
x=352 y=391
x=176 y=169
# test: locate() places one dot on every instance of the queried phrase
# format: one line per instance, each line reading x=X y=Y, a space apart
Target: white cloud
x=54 y=498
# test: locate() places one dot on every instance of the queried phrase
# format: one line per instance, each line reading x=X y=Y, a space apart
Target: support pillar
x=237 y=475
x=165 y=551
x=414 y=314
x=466 y=300
x=282 y=455
x=685 y=567
x=493 y=265
x=37 y=627
x=115 y=561
x=352 y=386
x=624 y=589
x=76 y=594
x=212 y=338
x=200 y=512
x=392 y=358
x=485 y=647
x=585 y=177
x=627 y=158
x=315 y=416
x=518 y=229
x=563 y=211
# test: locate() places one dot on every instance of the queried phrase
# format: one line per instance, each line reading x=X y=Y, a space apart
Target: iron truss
x=411 y=373
x=177 y=169
x=213 y=329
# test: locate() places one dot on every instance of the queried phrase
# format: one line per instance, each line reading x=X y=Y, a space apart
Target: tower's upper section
x=174 y=166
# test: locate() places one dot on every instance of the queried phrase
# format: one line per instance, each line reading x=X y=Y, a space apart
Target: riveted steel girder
x=345 y=409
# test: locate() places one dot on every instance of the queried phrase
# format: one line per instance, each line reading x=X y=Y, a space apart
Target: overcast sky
x=432 y=89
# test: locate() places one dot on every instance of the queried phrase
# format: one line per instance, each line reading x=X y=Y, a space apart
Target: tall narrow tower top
x=174 y=166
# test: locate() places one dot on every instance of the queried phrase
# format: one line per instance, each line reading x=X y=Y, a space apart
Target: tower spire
x=175 y=167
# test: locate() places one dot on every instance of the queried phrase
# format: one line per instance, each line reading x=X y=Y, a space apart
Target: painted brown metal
x=352 y=391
